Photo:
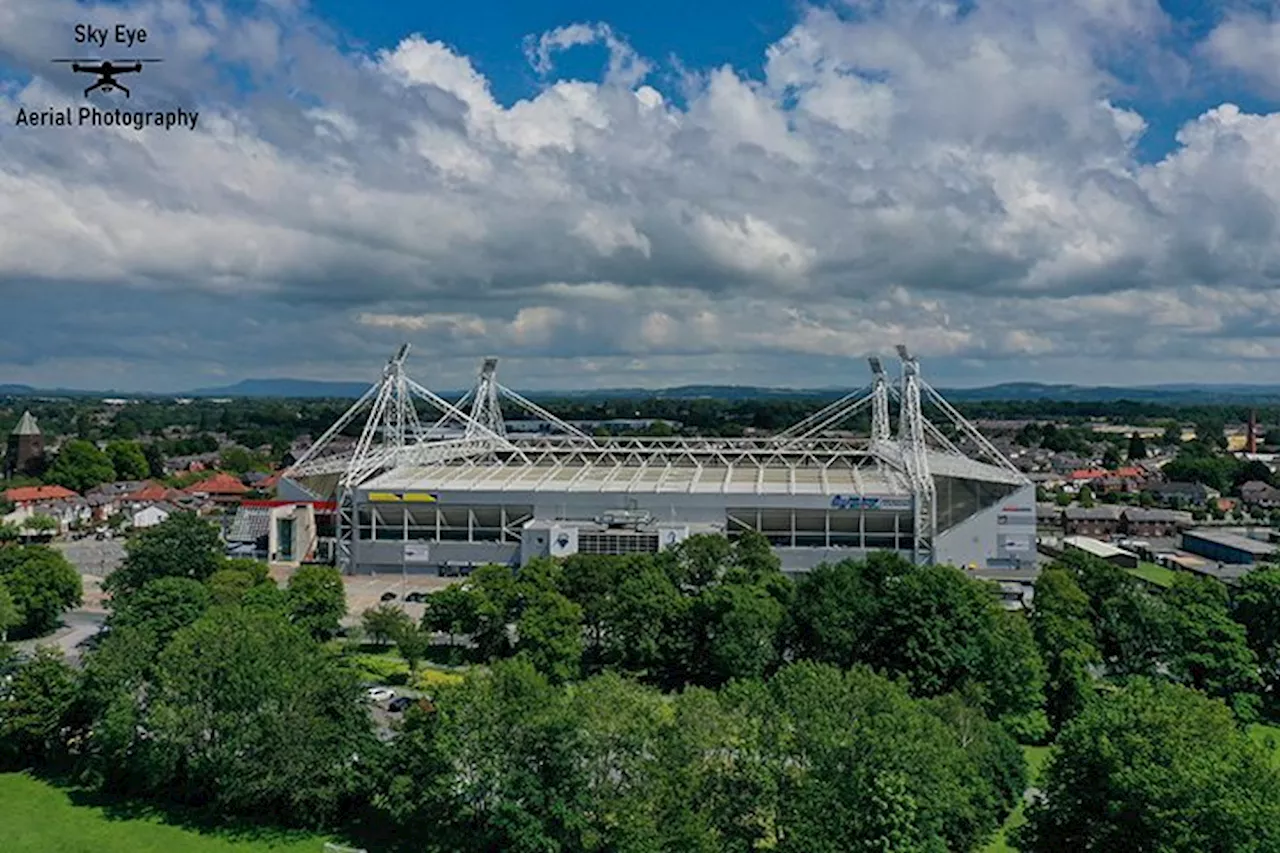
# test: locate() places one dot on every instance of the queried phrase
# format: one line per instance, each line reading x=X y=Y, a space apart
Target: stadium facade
x=465 y=491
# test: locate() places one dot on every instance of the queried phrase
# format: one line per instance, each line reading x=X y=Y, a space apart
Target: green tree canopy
x=1155 y=768
x=247 y=715
x=317 y=600
x=453 y=611
x=382 y=624
x=79 y=466
x=42 y=585
x=10 y=615
x=34 y=709
x=162 y=607
x=128 y=461
x=1064 y=633
x=550 y=634
x=183 y=545
x=1257 y=607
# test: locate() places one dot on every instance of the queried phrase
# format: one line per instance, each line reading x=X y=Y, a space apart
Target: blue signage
x=864 y=502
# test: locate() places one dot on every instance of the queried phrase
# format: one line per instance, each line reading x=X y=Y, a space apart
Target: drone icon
x=106 y=72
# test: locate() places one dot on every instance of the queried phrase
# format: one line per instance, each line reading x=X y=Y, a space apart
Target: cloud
x=967 y=180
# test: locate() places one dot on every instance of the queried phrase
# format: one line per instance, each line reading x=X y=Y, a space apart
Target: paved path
x=77 y=627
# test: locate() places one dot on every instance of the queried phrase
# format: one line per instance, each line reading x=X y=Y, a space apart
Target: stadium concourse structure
x=465 y=490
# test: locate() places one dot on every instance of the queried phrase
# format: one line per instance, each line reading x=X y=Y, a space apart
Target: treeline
x=256 y=423
x=691 y=700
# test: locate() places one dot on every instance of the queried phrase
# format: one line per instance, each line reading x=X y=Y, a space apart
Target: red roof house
x=37 y=494
x=220 y=487
x=150 y=493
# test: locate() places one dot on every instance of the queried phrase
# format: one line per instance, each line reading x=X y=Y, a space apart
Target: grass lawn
x=1158 y=575
x=390 y=668
x=1269 y=736
x=37 y=817
x=1035 y=756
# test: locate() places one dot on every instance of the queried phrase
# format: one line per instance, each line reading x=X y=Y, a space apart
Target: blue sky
x=657 y=194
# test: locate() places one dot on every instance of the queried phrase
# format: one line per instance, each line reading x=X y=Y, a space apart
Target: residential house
x=222 y=489
x=1094 y=521
x=1192 y=494
x=107 y=499
x=152 y=514
x=1100 y=480
x=62 y=505
x=1256 y=493
x=191 y=464
x=1153 y=523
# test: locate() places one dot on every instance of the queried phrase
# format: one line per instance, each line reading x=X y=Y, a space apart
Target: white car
x=381 y=694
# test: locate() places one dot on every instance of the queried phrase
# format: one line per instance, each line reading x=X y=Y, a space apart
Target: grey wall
x=983 y=540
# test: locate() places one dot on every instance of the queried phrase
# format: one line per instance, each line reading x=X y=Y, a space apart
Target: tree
x=246 y=715
x=1064 y=633
x=162 y=606
x=1210 y=650
x=1257 y=607
x=228 y=586
x=79 y=466
x=1137 y=448
x=737 y=631
x=945 y=632
x=550 y=635
x=42 y=584
x=183 y=545
x=1155 y=767
x=317 y=600
x=1111 y=457
x=497 y=603
x=452 y=611
x=10 y=615
x=127 y=460
x=33 y=710
x=382 y=624
x=155 y=460
x=413 y=644
x=647 y=630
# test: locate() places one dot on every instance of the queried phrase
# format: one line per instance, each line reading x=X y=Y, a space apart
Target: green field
x=1035 y=756
x=1268 y=736
x=37 y=817
x=1158 y=575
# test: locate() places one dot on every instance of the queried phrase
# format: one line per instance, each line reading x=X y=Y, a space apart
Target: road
x=77 y=627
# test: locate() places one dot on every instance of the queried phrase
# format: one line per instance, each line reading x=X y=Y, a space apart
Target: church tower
x=26 y=448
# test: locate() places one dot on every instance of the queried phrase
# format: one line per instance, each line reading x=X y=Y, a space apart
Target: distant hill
x=311 y=388
x=1171 y=394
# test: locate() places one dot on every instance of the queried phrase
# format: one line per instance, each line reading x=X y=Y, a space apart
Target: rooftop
x=218 y=484
x=1094 y=547
x=1233 y=540
x=26 y=425
x=27 y=494
x=599 y=474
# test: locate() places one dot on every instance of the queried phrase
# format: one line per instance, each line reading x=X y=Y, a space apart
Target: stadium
x=445 y=496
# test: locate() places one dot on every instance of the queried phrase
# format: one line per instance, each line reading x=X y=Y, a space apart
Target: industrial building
x=1225 y=547
x=465 y=490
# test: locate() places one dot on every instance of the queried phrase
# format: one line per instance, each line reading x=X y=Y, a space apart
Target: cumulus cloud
x=967 y=179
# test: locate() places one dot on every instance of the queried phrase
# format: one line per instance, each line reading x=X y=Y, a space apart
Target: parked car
x=388 y=596
x=416 y=597
x=400 y=704
x=380 y=694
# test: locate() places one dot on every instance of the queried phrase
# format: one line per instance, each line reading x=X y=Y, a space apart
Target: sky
x=758 y=192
